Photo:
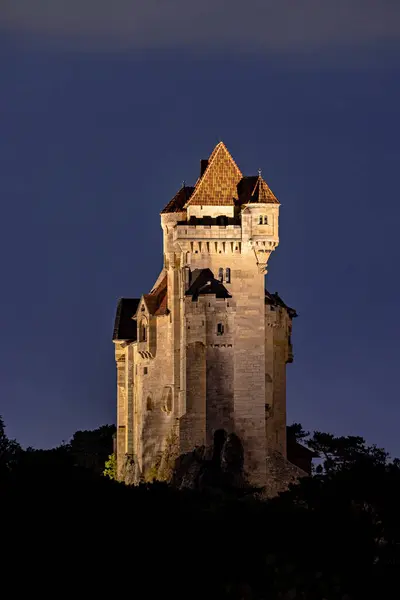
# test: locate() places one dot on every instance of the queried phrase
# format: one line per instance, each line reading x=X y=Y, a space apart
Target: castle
x=206 y=349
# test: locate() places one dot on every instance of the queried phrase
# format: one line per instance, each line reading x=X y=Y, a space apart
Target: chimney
x=203 y=166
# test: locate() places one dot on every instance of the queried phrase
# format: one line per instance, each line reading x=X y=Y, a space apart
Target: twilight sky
x=103 y=112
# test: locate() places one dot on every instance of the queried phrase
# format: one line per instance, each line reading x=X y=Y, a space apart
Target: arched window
x=265 y=220
x=227 y=275
x=143 y=331
x=221 y=274
x=220 y=329
x=260 y=220
x=149 y=403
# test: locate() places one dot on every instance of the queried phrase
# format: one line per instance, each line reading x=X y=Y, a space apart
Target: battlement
x=206 y=349
x=207 y=232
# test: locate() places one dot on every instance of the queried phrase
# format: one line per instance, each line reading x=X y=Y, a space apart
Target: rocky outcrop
x=131 y=474
x=217 y=467
x=280 y=474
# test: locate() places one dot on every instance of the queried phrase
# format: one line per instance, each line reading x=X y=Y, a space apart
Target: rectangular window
x=220 y=329
x=228 y=275
x=145 y=371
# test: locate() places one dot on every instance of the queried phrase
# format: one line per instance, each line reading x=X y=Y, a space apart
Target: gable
x=218 y=184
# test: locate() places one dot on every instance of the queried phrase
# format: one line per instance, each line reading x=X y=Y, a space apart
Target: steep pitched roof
x=204 y=282
x=125 y=327
x=253 y=190
x=262 y=193
x=218 y=184
x=156 y=301
x=276 y=300
x=179 y=200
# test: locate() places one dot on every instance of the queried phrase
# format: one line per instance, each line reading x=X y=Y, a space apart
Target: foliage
x=10 y=451
x=90 y=449
x=151 y=473
x=296 y=432
x=110 y=469
x=336 y=535
x=338 y=453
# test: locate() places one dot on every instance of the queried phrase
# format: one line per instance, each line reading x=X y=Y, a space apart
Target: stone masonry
x=207 y=348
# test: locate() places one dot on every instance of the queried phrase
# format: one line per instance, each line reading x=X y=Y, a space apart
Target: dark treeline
x=68 y=529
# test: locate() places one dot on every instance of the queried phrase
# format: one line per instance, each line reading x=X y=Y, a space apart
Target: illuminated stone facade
x=207 y=348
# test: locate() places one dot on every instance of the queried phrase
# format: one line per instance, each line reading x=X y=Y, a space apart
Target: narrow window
x=228 y=275
x=265 y=220
x=260 y=220
x=143 y=332
x=149 y=403
x=145 y=371
x=221 y=274
x=220 y=329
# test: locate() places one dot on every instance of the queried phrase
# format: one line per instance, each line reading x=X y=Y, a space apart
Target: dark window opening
x=220 y=329
x=145 y=371
x=265 y=220
x=260 y=220
x=222 y=220
x=228 y=275
x=221 y=274
x=143 y=332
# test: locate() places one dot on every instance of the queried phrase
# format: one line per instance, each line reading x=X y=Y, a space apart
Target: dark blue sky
x=95 y=141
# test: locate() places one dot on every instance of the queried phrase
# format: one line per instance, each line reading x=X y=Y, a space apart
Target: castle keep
x=206 y=349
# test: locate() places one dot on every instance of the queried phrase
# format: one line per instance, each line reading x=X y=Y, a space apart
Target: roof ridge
x=205 y=178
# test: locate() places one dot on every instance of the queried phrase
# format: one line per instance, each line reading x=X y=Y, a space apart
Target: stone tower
x=207 y=348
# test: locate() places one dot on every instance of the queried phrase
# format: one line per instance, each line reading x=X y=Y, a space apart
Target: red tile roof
x=179 y=200
x=221 y=183
x=156 y=301
x=218 y=184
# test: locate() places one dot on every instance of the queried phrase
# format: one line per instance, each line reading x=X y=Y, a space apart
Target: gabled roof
x=221 y=183
x=218 y=184
x=179 y=200
x=254 y=190
x=262 y=193
x=156 y=301
x=203 y=282
x=125 y=327
x=276 y=300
